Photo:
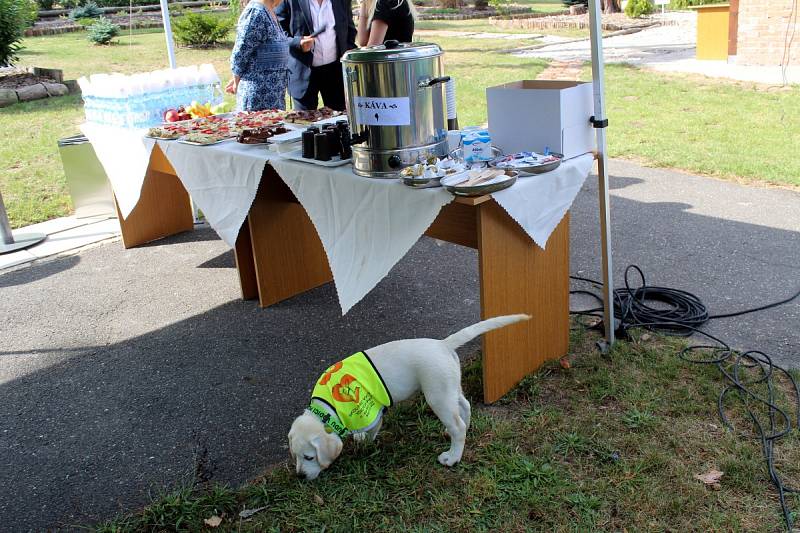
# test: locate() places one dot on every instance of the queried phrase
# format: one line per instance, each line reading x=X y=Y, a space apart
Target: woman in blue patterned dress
x=260 y=59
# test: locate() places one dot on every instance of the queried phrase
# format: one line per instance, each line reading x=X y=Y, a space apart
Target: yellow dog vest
x=351 y=396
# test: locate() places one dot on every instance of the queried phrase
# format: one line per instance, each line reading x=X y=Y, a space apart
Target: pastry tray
x=192 y=143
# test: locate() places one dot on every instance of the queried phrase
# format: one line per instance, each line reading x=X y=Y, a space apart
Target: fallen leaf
x=711 y=477
x=214 y=521
x=318 y=499
x=564 y=362
x=247 y=513
x=646 y=337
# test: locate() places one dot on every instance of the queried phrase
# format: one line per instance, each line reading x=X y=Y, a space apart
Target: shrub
x=501 y=6
x=637 y=8
x=45 y=5
x=569 y=3
x=102 y=31
x=15 y=16
x=89 y=10
x=481 y=5
x=201 y=29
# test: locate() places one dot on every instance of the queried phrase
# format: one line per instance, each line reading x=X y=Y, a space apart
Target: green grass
x=31 y=176
x=717 y=128
x=611 y=444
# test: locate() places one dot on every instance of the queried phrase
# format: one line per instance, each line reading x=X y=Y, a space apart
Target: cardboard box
x=534 y=114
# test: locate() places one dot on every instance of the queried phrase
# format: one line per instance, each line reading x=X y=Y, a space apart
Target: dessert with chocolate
x=260 y=135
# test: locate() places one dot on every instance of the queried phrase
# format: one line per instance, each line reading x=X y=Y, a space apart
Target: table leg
x=519 y=277
x=288 y=256
x=163 y=209
x=245 y=264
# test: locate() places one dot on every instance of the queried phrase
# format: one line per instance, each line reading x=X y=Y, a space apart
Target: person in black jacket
x=314 y=63
x=385 y=20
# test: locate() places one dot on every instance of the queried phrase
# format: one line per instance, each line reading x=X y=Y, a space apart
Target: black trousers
x=327 y=81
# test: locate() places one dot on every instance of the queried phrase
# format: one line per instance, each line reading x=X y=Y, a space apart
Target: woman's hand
x=306 y=44
x=232 y=85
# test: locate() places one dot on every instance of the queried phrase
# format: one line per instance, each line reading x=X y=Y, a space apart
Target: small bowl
x=458 y=155
x=421 y=183
x=533 y=169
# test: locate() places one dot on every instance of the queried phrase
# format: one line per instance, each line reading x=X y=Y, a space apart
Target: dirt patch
x=17 y=81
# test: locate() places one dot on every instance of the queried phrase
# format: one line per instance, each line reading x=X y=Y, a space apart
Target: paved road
x=122 y=372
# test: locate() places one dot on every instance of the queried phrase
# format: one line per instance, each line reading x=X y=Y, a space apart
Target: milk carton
x=477 y=146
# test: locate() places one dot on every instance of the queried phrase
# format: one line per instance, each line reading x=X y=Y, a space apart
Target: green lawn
x=721 y=129
x=611 y=444
x=731 y=130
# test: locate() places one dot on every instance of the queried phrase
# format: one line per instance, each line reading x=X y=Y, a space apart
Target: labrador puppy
x=350 y=398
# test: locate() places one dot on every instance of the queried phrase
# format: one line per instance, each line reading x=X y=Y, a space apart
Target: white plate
x=192 y=143
x=329 y=120
x=289 y=136
x=297 y=155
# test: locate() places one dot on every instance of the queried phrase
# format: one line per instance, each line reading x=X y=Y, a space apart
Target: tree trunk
x=611 y=6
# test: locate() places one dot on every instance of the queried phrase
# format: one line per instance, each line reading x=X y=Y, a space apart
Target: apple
x=171 y=115
x=184 y=116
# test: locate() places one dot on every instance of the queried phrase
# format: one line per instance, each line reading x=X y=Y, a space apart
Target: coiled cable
x=681 y=313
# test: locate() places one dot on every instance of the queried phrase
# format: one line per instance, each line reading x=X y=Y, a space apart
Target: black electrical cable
x=682 y=313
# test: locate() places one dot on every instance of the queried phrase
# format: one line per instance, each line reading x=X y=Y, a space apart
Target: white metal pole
x=168 y=34
x=6 y=237
x=8 y=241
x=600 y=122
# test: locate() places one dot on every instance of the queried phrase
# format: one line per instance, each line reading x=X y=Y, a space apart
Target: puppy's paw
x=359 y=438
x=447 y=459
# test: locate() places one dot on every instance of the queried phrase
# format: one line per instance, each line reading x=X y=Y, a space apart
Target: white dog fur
x=407 y=366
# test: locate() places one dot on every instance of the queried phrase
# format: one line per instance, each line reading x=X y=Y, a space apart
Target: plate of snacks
x=257 y=119
x=429 y=174
x=203 y=139
x=306 y=117
x=167 y=132
x=260 y=135
x=528 y=163
x=479 y=181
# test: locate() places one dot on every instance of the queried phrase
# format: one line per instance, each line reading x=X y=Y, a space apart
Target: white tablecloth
x=366 y=225
x=222 y=180
x=124 y=154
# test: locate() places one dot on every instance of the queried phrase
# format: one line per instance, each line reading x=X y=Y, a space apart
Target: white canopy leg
x=168 y=34
x=600 y=122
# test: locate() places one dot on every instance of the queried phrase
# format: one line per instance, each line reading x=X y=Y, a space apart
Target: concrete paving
x=128 y=371
x=64 y=235
x=668 y=48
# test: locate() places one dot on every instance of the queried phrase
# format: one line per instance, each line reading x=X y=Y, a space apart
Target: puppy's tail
x=467 y=334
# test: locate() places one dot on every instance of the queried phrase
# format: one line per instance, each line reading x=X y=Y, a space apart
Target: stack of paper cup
x=452 y=115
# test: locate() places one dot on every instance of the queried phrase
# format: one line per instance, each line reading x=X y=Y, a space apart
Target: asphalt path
x=125 y=372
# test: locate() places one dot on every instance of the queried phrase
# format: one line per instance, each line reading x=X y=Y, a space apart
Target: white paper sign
x=382 y=111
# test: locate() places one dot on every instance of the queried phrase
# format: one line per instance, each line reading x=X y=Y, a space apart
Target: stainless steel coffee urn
x=396 y=104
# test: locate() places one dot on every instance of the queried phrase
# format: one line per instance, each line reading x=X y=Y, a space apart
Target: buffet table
x=295 y=226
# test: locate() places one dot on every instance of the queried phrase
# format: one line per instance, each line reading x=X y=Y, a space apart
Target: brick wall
x=762 y=32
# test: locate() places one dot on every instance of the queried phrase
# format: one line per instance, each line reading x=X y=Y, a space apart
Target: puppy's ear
x=291 y=436
x=328 y=448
